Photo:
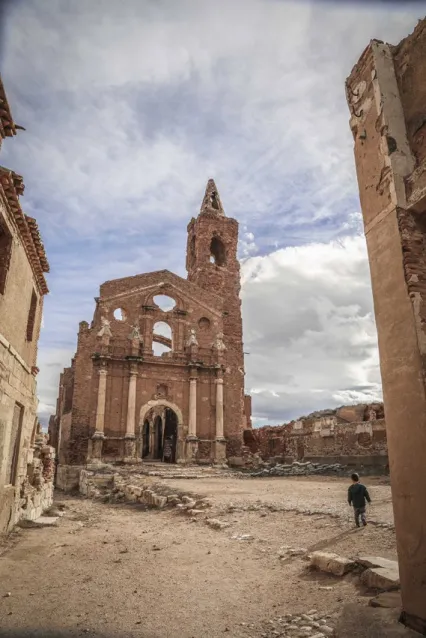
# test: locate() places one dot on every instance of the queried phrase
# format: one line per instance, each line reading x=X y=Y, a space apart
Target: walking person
x=357 y=497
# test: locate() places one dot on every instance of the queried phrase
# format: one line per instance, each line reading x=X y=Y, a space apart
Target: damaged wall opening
x=159 y=436
x=162 y=338
x=217 y=252
x=164 y=302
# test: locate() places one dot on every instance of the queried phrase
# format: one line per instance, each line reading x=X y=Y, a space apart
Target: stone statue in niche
x=218 y=342
x=162 y=390
x=372 y=416
x=192 y=339
x=135 y=333
x=105 y=330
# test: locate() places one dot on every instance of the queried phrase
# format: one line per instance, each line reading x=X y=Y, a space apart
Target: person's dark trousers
x=360 y=512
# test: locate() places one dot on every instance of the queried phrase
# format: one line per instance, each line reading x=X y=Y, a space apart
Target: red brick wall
x=207 y=302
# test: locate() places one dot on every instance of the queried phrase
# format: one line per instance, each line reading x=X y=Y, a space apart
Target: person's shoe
x=357 y=524
x=365 y=523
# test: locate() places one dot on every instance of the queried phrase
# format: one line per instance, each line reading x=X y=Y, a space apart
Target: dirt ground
x=123 y=570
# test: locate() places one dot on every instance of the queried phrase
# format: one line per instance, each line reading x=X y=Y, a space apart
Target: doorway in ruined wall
x=158 y=438
x=146 y=439
x=160 y=435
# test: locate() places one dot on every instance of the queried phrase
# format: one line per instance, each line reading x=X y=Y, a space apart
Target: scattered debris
x=332 y=563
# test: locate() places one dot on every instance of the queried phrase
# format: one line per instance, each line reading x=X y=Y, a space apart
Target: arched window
x=162 y=338
x=217 y=252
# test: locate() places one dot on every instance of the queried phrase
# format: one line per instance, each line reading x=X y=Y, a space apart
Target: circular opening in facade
x=119 y=314
x=204 y=323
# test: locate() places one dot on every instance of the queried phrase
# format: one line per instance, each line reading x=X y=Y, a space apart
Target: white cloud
x=130 y=107
x=309 y=329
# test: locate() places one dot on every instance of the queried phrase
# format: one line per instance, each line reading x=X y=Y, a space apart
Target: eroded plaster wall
x=386 y=98
x=26 y=479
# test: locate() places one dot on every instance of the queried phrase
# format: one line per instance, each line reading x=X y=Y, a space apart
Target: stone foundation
x=68 y=477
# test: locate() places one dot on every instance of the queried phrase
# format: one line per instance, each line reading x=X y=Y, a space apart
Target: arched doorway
x=160 y=431
x=170 y=436
x=145 y=439
x=158 y=438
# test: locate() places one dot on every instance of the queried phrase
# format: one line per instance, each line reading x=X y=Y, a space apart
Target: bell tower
x=212 y=264
x=211 y=256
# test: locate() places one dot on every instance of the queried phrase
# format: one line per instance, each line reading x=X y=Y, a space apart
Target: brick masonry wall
x=208 y=303
x=325 y=436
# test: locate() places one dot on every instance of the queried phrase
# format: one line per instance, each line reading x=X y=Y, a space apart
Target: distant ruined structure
x=159 y=373
x=26 y=462
x=386 y=94
x=353 y=435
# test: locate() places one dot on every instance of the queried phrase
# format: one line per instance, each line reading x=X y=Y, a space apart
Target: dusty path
x=113 y=570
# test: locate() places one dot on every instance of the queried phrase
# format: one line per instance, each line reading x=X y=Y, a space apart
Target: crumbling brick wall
x=323 y=434
x=206 y=347
x=386 y=95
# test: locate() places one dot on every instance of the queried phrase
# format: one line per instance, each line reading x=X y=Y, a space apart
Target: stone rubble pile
x=313 y=624
x=298 y=468
x=139 y=489
x=376 y=572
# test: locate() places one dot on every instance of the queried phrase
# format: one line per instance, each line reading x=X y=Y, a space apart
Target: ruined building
x=26 y=463
x=352 y=435
x=159 y=374
x=386 y=93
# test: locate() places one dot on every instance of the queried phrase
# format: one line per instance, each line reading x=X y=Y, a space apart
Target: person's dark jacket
x=357 y=495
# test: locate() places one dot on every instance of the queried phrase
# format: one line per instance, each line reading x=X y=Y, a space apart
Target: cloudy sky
x=129 y=107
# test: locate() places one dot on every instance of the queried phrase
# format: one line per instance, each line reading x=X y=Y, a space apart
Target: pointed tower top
x=211 y=202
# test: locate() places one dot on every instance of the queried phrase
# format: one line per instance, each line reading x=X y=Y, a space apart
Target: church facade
x=159 y=373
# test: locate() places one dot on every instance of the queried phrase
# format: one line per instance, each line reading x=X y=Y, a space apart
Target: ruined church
x=159 y=373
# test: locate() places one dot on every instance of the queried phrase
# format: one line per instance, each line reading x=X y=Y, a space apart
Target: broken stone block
x=377 y=561
x=41 y=521
x=387 y=600
x=194 y=512
x=190 y=505
x=174 y=501
x=204 y=502
x=216 y=524
x=331 y=563
x=297 y=551
x=159 y=501
x=381 y=578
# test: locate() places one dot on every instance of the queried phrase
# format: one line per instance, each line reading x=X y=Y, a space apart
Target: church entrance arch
x=160 y=431
x=145 y=438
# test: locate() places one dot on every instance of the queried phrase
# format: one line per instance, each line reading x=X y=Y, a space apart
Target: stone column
x=129 y=439
x=191 y=439
x=192 y=424
x=99 y=436
x=220 y=442
x=393 y=202
x=219 y=408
